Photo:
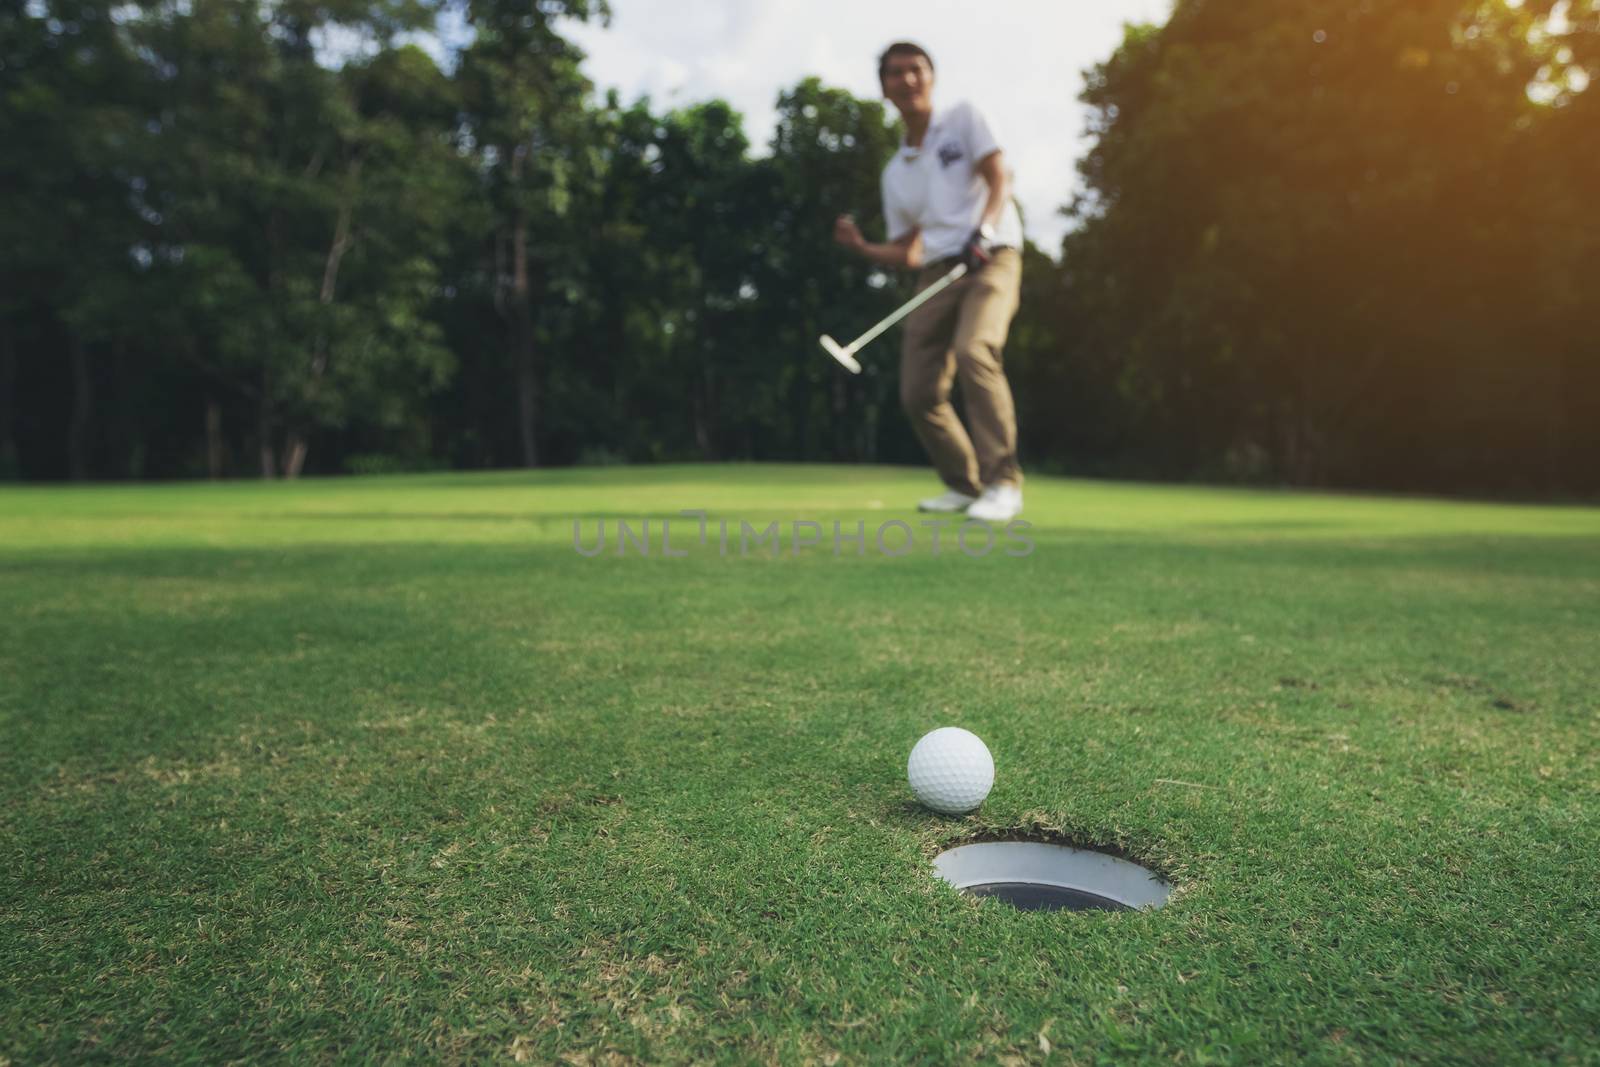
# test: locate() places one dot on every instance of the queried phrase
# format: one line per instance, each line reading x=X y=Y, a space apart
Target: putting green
x=384 y=768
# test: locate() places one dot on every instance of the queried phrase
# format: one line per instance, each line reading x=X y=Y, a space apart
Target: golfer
x=947 y=200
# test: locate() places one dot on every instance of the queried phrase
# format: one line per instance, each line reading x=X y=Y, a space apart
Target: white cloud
x=1019 y=61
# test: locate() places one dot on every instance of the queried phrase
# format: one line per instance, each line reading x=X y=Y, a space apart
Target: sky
x=1020 y=62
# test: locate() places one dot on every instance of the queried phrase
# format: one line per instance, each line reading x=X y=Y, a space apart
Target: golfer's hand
x=848 y=234
x=979 y=252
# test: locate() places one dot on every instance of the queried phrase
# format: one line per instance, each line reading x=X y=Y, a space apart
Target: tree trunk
x=512 y=242
x=869 y=422
x=713 y=450
x=295 y=448
x=213 y=439
x=702 y=432
x=844 y=440
x=9 y=467
x=1555 y=443
x=705 y=406
x=269 y=461
x=523 y=356
x=298 y=442
x=79 y=428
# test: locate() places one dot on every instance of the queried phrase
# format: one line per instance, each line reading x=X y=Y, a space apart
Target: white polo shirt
x=938 y=187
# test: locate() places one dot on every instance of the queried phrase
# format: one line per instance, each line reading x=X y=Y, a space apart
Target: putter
x=846 y=354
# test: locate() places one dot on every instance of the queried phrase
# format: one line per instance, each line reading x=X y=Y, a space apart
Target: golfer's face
x=908 y=83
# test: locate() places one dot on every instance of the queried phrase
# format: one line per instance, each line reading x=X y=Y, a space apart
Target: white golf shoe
x=947 y=501
x=999 y=503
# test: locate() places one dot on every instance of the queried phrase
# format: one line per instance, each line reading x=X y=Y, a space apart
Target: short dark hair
x=900 y=48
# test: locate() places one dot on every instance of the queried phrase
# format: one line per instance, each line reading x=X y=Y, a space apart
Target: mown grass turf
x=376 y=769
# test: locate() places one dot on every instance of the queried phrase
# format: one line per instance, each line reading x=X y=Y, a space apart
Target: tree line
x=1319 y=243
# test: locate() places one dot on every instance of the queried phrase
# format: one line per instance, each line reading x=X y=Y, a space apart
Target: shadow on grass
x=1575 y=558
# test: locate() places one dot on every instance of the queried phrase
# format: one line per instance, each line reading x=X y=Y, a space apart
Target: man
x=947 y=200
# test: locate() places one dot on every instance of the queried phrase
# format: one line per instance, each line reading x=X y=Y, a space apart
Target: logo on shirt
x=949 y=153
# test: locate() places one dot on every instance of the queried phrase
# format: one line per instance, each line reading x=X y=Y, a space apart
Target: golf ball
x=950 y=770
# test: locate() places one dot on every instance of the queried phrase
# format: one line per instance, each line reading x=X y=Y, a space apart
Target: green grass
x=376 y=769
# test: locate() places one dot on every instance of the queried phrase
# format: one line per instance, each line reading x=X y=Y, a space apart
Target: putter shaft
x=846 y=354
x=956 y=274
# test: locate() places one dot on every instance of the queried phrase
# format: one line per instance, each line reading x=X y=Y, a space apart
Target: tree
x=526 y=119
x=680 y=250
x=828 y=152
x=68 y=125
x=273 y=177
x=1293 y=219
x=1564 y=168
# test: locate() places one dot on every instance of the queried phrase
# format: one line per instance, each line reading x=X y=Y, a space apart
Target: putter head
x=840 y=353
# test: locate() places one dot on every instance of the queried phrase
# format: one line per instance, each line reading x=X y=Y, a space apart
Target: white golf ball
x=950 y=770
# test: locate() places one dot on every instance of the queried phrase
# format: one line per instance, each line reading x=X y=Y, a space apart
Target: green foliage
x=272 y=221
x=1317 y=242
x=827 y=153
x=527 y=128
x=1315 y=234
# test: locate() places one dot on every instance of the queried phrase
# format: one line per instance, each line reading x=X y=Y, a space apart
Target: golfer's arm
x=993 y=170
x=904 y=254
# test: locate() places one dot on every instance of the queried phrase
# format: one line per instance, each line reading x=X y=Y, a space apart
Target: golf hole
x=1036 y=876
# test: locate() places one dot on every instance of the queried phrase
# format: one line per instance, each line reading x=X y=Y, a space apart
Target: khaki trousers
x=962 y=333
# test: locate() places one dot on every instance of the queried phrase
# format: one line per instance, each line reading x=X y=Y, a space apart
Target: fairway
x=363 y=770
